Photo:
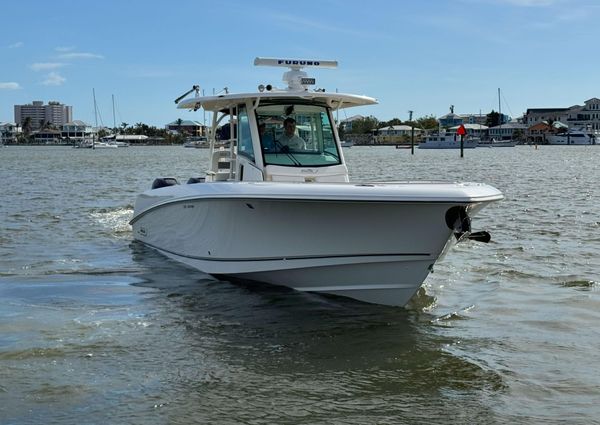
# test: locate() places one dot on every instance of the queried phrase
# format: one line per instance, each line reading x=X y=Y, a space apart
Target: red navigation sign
x=461 y=131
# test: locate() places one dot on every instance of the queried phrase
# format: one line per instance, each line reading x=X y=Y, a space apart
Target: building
x=535 y=116
x=396 y=134
x=537 y=132
x=47 y=136
x=54 y=113
x=475 y=130
x=585 y=117
x=77 y=131
x=452 y=120
x=187 y=127
x=9 y=132
x=509 y=131
x=479 y=119
x=347 y=123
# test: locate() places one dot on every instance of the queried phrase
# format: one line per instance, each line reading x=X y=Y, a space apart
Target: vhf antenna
x=194 y=88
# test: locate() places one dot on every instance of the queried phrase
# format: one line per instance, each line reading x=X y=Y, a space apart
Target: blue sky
x=410 y=55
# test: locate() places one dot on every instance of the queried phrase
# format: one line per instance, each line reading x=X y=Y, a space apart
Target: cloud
x=64 y=48
x=43 y=66
x=9 y=86
x=76 y=55
x=16 y=45
x=54 y=79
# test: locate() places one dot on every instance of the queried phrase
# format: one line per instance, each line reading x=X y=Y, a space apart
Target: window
x=244 y=137
x=297 y=135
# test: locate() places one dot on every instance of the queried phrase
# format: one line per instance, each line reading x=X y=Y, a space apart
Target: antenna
x=194 y=88
x=295 y=63
x=295 y=77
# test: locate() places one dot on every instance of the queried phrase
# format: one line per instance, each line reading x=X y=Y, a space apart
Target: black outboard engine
x=458 y=220
x=164 y=182
x=194 y=180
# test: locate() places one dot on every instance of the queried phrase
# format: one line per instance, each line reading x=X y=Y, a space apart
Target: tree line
x=429 y=122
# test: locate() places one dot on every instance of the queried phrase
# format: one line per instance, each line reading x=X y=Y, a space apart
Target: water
x=96 y=329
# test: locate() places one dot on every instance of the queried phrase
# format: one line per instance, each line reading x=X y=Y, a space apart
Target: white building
x=586 y=116
x=9 y=132
x=577 y=116
x=508 y=131
x=54 y=113
x=475 y=130
x=77 y=131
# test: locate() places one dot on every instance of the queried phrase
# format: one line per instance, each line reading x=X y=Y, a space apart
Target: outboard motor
x=194 y=180
x=458 y=220
x=164 y=182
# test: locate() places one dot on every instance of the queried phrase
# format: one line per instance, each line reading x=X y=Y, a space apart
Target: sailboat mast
x=114 y=120
x=95 y=108
x=500 y=114
x=499 y=106
x=95 y=118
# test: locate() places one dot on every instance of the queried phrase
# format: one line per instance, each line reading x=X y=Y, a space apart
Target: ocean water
x=96 y=329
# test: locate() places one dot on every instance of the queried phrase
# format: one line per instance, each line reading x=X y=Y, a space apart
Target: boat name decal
x=309 y=170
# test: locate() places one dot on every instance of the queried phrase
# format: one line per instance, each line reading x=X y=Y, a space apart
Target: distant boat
x=571 y=137
x=196 y=142
x=104 y=145
x=346 y=144
x=115 y=140
x=493 y=143
x=447 y=140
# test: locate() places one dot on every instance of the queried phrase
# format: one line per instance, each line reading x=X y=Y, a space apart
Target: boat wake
x=115 y=221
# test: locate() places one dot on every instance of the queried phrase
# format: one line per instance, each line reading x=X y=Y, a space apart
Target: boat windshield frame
x=314 y=141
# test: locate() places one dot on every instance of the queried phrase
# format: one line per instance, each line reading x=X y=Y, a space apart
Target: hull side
x=375 y=253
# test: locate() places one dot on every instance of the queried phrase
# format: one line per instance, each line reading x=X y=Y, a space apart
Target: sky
x=410 y=55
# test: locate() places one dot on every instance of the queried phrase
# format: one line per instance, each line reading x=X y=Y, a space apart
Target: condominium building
x=39 y=114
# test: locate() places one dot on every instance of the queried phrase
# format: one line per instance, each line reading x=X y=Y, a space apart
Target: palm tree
x=27 y=126
x=179 y=122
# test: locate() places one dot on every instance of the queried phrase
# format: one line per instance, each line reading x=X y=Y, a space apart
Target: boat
x=493 y=143
x=86 y=143
x=114 y=140
x=346 y=143
x=104 y=145
x=196 y=142
x=571 y=137
x=447 y=140
x=499 y=143
x=268 y=212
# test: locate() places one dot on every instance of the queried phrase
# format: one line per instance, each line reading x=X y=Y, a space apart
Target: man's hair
x=289 y=120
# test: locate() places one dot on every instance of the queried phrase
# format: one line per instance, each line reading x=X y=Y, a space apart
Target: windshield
x=296 y=135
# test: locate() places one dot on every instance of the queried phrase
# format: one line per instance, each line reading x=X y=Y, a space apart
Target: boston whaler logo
x=309 y=170
x=142 y=231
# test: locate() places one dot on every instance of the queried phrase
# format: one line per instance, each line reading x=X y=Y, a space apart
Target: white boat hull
x=577 y=139
x=327 y=238
x=498 y=144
